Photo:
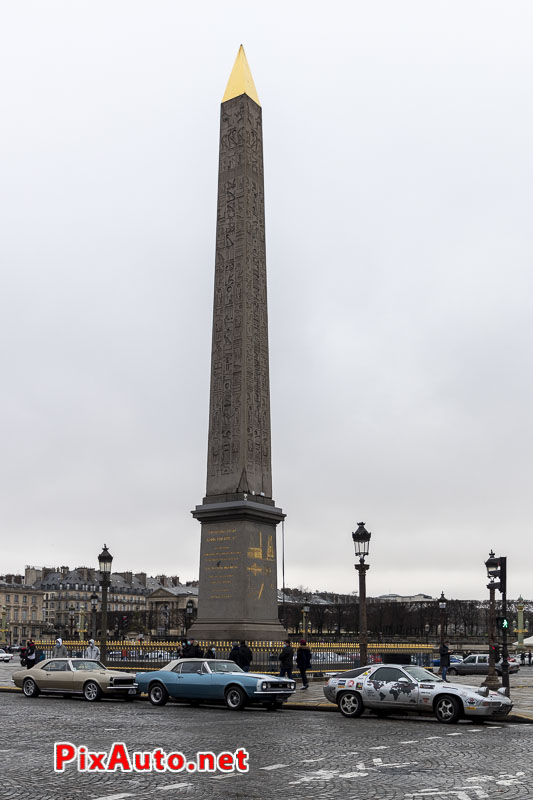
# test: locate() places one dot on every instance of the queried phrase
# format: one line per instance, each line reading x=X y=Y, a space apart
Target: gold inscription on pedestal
x=256 y=548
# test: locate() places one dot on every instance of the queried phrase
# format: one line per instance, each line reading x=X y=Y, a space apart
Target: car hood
x=262 y=677
x=466 y=688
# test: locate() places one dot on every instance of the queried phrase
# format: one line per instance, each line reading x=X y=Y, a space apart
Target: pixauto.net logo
x=119 y=758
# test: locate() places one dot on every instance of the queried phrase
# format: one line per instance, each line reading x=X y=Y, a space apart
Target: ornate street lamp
x=497 y=572
x=189 y=609
x=426 y=629
x=94 y=605
x=305 y=613
x=105 y=560
x=72 y=620
x=361 y=542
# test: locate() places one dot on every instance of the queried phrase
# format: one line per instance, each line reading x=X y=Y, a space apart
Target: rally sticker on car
x=342 y=683
x=359 y=685
x=349 y=683
x=426 y=685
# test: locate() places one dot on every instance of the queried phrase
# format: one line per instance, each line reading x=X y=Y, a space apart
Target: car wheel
x=447 y=709
x=30 y=688
x=158 y=695
x=452 y=671
x=351 y=705
x=91 y=691
x=235 y=698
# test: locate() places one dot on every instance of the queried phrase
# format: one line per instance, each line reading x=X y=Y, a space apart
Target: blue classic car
x=211 y=681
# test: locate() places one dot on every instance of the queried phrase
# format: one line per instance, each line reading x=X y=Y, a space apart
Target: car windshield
x=224 y=666
x=421 y=674
x=87 y=665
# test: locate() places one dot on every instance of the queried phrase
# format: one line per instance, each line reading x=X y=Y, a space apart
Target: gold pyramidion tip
x=240 y=80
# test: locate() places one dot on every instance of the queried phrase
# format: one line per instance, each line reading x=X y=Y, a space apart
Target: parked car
x=212 y=681
x=453 y=660
x=478 y=664
x=75 y=676
x=394 y=687
x=5 y=656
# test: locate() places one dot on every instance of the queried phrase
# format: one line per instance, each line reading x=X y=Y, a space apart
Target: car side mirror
x=199 y=672
x=404 y=680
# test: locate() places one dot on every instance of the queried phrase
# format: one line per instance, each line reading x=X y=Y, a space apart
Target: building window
x=24 y=598
x=24 y=614
x=16 y=615
x=8 y=598
x=16 y=598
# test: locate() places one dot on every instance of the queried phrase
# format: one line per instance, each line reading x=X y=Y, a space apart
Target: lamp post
x=105 y=560
x=442 y=622
x=4 y=626
x=497 y=572
x=361 y=541
x=492 y=679
x=189 y=608
x=426 y=629
x=94 y=605
x=519 y=627
x=72 y=620
x=305 y=614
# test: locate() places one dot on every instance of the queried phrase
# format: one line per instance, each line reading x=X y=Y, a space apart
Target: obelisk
x=238 y=573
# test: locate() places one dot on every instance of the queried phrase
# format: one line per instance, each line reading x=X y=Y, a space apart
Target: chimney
x=141 y=577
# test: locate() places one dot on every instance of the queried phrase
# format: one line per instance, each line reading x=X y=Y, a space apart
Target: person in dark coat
x=286 y=660
x=245 y=656
x=444 y=653
x=31 y=654
x=188 y=650
x=529 y=657
x=210 y=652
x=303 y=660
x=197 y=651
x=235 y=654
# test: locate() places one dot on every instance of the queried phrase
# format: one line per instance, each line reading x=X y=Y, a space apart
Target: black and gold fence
x=326 y=656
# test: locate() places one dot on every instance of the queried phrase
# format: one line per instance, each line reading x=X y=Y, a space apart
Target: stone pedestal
x=238 y=581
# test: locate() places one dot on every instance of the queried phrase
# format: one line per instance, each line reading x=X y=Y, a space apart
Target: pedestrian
x=523 y=657
x=235 y=654
x=92 y=651
x=245 y=656
x=444 y=652
x=187 y=649
x=31 y=654
x=529 y=657
x=196 y=650
x=286 y=660
x=210 y=652
x=303 y=660
x=59 y=650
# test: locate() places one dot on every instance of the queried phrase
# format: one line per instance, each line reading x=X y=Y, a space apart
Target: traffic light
x=502 y=623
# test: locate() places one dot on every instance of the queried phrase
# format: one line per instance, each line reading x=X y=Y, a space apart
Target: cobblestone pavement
x=292 y=755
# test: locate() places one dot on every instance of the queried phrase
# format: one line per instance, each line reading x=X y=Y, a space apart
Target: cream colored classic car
x=69 y=676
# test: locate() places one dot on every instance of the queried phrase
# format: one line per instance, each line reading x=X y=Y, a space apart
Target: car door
x=482 y=665
x=390 y=687
x=467 y=667
x=57 y=676
x=193 y=683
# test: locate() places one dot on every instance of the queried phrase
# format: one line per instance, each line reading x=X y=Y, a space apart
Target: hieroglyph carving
x=239 y=419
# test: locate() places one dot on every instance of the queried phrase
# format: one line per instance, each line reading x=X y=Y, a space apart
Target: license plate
x=132 y=691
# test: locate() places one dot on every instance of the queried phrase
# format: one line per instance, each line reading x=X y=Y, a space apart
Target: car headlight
x=483 y=691
x=502 y=690
x=264 y=686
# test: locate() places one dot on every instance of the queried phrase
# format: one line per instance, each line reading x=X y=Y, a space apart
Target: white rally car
x=385 y=689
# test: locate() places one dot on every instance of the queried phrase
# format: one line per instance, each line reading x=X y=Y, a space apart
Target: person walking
x=286 y=660
x=529 y=657
x=59 y=650
x=211 y=652
x=303 y=660
x=31 y=654
x=196 y=650
x=444 y=653
x=245 y=656
x=92 y=651
x=235 y=654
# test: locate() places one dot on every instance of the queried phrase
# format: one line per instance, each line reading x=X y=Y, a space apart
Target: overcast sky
x=398 y=179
